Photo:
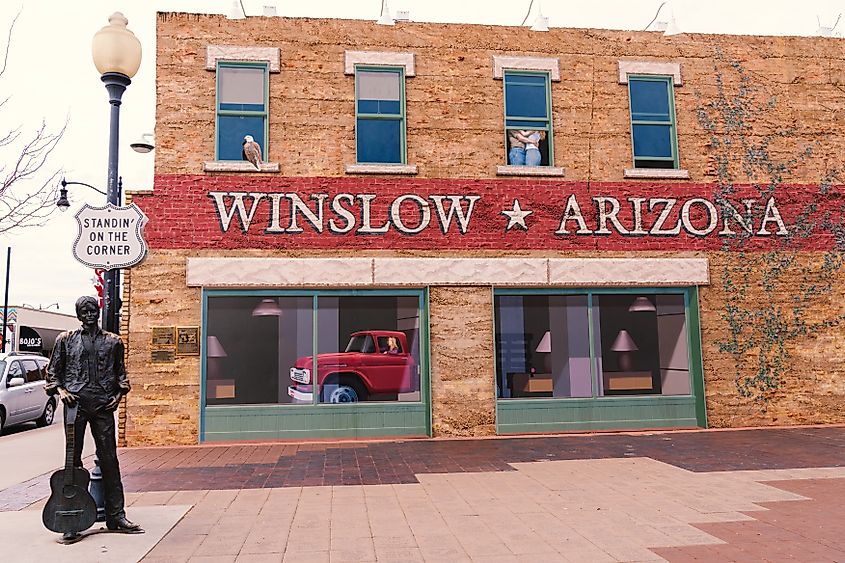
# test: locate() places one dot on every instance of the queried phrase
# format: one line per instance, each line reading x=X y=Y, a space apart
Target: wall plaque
x=163 y=336
x=187 y=341
x=163 y=356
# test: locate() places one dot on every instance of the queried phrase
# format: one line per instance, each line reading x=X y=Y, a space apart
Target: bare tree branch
x=27 y=186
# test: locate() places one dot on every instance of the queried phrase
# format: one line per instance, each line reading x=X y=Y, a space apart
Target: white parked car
x=22 y=396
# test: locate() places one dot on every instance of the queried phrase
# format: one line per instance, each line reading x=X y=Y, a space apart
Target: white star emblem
x=516 y=216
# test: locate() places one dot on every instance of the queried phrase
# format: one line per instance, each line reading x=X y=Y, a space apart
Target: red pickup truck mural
x=375 y=362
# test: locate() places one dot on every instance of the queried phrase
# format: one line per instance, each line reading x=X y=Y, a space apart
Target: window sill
x=237 y=166
x=530 y=171
x=657 y=173
x=407 y=169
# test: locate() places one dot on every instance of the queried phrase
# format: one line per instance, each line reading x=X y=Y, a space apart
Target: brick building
x=609 y=230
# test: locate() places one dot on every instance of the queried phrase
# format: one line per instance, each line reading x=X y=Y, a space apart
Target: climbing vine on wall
x=798 y=299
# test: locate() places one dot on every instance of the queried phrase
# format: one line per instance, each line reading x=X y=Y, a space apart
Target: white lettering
x=729 y=212
x=275 y=214
x=238 y=207
x=573 y=213
x=657 y=228
x=456 y=209
x=772 y=215
x=637 y=208
x=366 y=218
x=299 y=206
x=342 y=212
x=712 y=219
x=605 y=215
x=423 y=208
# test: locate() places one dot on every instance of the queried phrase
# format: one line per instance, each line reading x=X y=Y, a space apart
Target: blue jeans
x=532 y=157
x=516 y=156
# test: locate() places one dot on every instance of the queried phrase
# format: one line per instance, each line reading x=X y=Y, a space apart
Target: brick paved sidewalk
x=749 y=495
x=249 y=466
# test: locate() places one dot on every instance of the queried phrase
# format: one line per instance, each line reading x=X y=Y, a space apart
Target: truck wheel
x=46 y=418
x=346 y=392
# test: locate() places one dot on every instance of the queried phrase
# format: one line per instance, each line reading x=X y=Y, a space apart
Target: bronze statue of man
x=87 y=368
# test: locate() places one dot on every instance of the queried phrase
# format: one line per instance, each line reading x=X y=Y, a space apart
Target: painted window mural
x=528 y=128
x=591 y=344
x=260 y=349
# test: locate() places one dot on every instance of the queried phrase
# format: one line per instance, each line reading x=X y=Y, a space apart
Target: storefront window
x=543 y=342
x=259 y=350
x=251 y=345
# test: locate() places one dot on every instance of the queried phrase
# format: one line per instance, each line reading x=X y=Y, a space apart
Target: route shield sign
x=110 y=237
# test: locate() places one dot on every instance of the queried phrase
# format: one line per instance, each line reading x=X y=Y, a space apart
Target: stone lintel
x=378 y=58
x=270 y=55
x=547 y=64
x=662 y=68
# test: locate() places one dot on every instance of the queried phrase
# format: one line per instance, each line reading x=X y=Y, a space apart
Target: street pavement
x=747 y=495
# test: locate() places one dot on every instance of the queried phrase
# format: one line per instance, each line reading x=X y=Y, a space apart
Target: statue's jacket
x=69 y=363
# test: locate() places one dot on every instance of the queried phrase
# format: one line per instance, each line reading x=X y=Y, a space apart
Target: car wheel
x=346 y=392
x=2 y=420
x=46 y=418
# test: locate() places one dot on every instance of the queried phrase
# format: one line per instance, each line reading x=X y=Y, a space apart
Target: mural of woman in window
x=525 y=147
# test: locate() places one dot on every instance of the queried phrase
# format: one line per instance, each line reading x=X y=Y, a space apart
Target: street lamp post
x=117 y=55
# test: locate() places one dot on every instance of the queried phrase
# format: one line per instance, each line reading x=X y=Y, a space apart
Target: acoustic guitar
x=70 y=508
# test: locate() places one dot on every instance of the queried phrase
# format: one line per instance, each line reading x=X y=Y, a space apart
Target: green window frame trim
x=672 y=123
x=691 y=308
x=317 y=406
x=265 y=148
x=548 y=125
x=402 y=116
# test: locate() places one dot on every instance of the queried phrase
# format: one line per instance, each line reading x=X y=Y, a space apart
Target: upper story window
x=380 y=138
x=241 y=108
x=528 y=129
x=653 y=134
x=654 y=137
x=529 y=146
x=380 y=115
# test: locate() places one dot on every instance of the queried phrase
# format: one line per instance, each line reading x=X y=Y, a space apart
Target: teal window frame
x=671 y=123
x=401 y=116
x=547 y=127
x=265 y=149
x=693 y=333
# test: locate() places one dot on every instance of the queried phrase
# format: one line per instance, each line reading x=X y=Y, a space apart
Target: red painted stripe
x=183 y=215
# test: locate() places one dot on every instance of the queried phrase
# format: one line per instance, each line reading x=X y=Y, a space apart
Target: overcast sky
x=50 y=76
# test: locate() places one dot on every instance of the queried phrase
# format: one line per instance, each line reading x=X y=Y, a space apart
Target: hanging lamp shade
x=624 y=342
x=267 y=308
x=214 y=349
x=642 y=305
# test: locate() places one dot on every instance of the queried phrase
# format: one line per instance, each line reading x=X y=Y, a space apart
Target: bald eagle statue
x=252 y=151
